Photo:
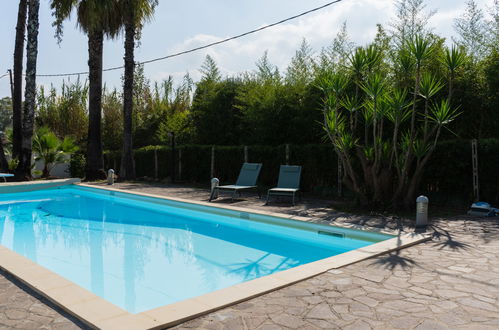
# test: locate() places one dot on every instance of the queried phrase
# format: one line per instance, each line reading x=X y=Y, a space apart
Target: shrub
x=77 y=165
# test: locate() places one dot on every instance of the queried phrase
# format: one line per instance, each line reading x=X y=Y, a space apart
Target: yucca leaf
x=429 y=85
x=453 y=58
x=442 y=113
x=420 y=48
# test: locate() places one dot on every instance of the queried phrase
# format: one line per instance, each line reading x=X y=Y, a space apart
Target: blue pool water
x=140 y=253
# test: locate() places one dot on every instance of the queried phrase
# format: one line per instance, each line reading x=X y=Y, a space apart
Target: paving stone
x=270 y=327
x=450 y=318
x=367 y=301
x=341 y=308
x=331 y=294
x=404 y=322
x=322 y=324
x=420 y=290
x=289 y=321
x=354 y=293
x=253 y=322
x=16 y=314
x=432 y=325
x=358 y=325
x=322 y=311
x=475 y=303
x=313 y=300
x=397 y=282
x=486 y=299
x=449 y=294
x=446 y=304
x=341 y=281
x=371 y=276
x=477 y=327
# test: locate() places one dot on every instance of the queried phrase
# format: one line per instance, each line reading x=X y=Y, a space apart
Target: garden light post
x=110 y=176
x=214 y=183
x=421 y=211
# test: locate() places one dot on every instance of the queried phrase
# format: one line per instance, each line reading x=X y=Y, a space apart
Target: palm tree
x=49 y=149
x=135 y=13
x=17 y=93
x=97 y=18
x=24 y=167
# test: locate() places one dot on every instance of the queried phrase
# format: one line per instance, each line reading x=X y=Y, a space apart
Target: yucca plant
x=405 y=66
x=399 y=134
x=420 y=48
x=373 y=57
x=454 y=58
x=442 y=113
x=429 y=86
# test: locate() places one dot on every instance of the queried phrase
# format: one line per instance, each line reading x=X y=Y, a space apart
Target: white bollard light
x=421 y=211
x=110 y=176
x=214 y=183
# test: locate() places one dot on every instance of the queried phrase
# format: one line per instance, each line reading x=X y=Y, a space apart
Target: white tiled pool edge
x=13 y=187
x=100 y=313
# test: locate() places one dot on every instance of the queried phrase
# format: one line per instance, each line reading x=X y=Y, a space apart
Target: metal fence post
x=340 y=178
x=179 y=164
x=155 y=164
x=287 y=154
x=212 y=169
x=474 y=160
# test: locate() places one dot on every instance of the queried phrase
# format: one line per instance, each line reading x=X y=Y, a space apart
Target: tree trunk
x=17 y=94
x=95 y=163
x=30 y=90
x=4 y=165
x=127 y=163
x=45 y=171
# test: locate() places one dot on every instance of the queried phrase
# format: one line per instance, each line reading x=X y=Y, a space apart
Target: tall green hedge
x=447 y=179
x=448 y=176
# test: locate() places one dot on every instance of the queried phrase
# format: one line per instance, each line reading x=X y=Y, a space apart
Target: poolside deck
x=451 y=282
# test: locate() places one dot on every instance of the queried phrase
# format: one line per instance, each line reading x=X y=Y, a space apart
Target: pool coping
x=99 y=313
x=314 y=220
x=13 y=187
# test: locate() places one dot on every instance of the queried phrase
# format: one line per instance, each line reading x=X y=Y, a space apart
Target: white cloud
x=282 y=41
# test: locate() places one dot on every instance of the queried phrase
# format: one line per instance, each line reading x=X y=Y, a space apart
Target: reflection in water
x=24 y=232
x=141 y=258
x=254 y=268
x=129 y=275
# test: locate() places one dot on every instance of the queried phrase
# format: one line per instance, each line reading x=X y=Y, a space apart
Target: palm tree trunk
x=127 y=163
x=17 y=94
x=30 y=91
x=95 y=163
x=45 y=171
x=4 y=165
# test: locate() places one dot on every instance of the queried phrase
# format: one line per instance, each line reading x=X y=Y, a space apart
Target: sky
x=181 y=25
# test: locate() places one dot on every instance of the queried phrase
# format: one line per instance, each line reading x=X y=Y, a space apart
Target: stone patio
x=450 y=282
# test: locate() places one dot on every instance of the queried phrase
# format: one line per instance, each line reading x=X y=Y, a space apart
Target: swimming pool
x=141 y=253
